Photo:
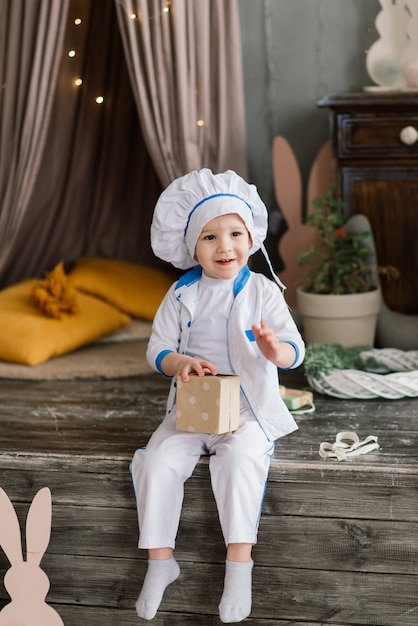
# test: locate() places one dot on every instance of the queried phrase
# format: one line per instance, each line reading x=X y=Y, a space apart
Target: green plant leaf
x=338 y=262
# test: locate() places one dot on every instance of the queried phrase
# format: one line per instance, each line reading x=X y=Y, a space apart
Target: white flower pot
x=349 y=320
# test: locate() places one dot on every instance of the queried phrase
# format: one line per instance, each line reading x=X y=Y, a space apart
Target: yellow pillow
x=29 y=337
x=134 y=289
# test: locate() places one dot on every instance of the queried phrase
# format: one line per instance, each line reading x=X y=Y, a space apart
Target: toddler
x=219 y=317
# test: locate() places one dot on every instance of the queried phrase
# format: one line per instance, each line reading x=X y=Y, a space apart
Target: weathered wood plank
x=327 y=498
x=288 y=594
x=284 y=541
x=338 y=544
x=357 y=470
x=98 y=616
x=87 y=418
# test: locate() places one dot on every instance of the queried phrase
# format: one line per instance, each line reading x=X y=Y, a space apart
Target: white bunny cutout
x=26 y=583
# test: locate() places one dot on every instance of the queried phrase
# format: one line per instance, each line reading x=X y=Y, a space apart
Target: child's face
x=223 y=246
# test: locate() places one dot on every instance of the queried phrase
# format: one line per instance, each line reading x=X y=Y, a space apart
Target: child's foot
x=236 y=598
x=159 y=575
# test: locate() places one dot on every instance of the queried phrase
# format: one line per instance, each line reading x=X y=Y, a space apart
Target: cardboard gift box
x=208 y=404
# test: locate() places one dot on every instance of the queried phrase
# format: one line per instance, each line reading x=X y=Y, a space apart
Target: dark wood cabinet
x=375 y=153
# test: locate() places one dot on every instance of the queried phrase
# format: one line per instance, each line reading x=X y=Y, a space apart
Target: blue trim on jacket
x=194 y=274
x=241 y=280
x=190 y=277
x=292 y=343
x=160 y=358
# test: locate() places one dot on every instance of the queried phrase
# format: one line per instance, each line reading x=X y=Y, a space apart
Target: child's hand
x=281 y=354
x=195 y=366
x=266 y=341
x=182 y=365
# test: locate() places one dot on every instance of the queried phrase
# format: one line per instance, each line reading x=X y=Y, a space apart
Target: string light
x=77 y=82
x=200 y=123
x=138 y=16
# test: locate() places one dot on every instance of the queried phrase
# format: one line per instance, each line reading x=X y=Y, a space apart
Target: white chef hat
x=192 y=201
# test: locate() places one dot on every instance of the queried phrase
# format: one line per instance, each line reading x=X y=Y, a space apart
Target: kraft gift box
x=296 y=399
x=208 y=404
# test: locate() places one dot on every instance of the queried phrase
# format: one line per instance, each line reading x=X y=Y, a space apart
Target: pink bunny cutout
x=289 y=195
x=26 y=583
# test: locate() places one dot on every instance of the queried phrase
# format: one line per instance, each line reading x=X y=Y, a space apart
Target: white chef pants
x=239 y=464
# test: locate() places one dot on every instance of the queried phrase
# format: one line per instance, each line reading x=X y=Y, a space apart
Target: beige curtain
x=31 y=34
x=90 y=189
x=184 y=59
x=96 y=186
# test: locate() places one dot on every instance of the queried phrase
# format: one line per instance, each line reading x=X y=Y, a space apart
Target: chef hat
x=192 y=201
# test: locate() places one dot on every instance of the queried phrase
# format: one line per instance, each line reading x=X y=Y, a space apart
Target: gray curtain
x=31 y=35
x=185 y=65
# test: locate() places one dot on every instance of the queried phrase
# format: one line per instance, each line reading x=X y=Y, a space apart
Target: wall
x=294 y=53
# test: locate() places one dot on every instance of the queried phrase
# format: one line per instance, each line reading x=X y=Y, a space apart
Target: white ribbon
x=341 y=450
x=274 y=275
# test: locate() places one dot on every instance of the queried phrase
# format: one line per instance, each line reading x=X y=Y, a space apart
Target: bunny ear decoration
x=287 y=180
x=288 y=189
x=10 y=538
x=38 y=526
x=320 y=176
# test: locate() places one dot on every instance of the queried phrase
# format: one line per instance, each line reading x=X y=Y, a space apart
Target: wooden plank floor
x=337 y=543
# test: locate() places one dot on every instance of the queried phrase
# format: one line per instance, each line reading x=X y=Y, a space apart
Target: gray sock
x=236 y=598
x=159 y=575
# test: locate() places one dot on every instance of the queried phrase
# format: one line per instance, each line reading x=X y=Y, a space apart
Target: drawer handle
x=408 y=135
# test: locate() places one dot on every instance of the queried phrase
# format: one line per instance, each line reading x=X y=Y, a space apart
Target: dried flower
x=56 y=294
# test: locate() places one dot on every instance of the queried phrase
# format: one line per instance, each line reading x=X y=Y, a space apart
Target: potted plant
x=339 y=299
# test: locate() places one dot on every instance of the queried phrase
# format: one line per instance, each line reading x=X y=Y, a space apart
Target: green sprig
x=323 y=358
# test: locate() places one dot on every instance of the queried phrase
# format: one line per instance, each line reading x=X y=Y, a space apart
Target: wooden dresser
x=375 y=151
